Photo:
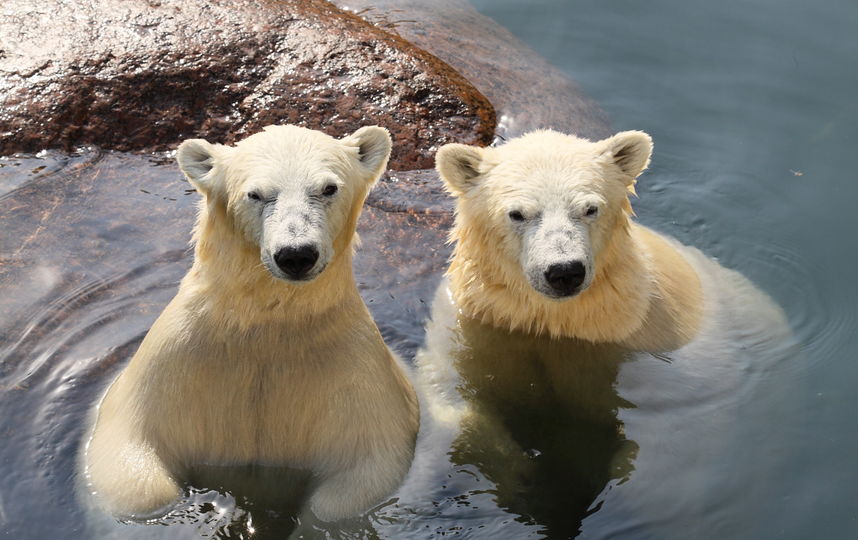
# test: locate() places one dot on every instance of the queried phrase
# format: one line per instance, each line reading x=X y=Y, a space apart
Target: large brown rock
x=132 y=74
x=527 y=92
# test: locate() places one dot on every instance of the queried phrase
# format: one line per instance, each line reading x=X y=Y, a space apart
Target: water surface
x=752 y=106
x=753 y=110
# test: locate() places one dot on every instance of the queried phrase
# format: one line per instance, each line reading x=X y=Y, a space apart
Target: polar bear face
x=292 y=192
x=543 y=206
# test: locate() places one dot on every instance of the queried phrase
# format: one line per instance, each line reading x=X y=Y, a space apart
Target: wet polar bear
x=536 y=367
x=545 y=243
x=267 y=354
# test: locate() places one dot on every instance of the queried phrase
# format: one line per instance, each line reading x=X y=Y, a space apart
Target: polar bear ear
x=460 y=167
x=198 y=159
x=373 y=147
x=630 y=151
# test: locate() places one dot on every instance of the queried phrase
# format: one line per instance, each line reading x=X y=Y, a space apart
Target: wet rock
x=413 y=192
x=527 y=92
x=132 y=74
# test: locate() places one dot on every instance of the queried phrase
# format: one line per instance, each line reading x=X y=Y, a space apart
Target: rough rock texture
x=527 y=92
x=132 y=74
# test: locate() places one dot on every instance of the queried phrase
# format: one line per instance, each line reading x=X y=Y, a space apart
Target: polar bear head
x=293 y=193
x=543 y=206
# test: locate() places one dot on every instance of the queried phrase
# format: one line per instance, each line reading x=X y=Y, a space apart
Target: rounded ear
x=630 y=151
x=373 y=147
x=460 y=167
x=197 y=158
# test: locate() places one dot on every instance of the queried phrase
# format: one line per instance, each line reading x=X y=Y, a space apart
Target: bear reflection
x=537 y=416
x=248 y=500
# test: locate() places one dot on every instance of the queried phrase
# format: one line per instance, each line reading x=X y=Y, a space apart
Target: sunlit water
x=753 y=110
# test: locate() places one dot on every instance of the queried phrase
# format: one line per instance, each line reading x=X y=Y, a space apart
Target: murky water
x=753 y=110
x=752 y=106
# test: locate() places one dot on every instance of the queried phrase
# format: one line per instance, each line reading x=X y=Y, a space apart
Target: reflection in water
x=537 y=416
x=587 y=438
x=245 y=500
x=543 y=423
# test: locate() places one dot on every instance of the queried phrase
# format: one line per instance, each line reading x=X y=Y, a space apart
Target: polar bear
x=267 y=355
x=575 y=356
x=545 y=243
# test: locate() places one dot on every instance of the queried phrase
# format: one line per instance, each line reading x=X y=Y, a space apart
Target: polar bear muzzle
x=565 y=278
x=296 y=262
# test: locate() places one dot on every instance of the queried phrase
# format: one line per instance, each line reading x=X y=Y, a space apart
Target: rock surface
x=527 y=92
x=132 y=75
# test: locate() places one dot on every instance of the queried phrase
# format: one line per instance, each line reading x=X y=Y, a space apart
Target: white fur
x=548 y=199
x=246 y=366
x=555 y=185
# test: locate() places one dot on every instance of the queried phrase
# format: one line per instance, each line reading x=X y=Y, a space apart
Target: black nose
x=296 y=261
x=565 y=277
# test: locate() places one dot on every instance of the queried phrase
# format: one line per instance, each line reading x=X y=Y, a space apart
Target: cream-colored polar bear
x=535 y=365
x=267 y=354
x=545 y=243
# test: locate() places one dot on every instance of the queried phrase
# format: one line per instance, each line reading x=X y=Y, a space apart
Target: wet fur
x=242 y=367
x=644 y=294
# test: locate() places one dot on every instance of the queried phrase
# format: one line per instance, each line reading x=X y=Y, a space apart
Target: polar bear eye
x=515 y=215
x=329 y=190
x=252 y=195
x=591 y=211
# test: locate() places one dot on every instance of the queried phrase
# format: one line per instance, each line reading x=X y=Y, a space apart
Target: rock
x=138 y=75
x=527 y=92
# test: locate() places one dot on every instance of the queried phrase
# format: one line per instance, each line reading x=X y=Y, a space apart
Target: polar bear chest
x=277 y=408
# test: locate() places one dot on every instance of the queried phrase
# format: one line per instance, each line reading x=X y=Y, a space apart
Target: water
x=752 y=107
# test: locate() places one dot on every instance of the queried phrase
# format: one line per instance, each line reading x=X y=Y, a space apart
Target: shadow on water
x=544 y=424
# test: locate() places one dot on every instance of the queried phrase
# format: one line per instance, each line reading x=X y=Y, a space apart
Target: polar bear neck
x=228 y=282
x=496 y=292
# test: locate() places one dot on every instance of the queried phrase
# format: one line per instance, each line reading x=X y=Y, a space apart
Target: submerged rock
x=527 y=92
x=136 y=74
